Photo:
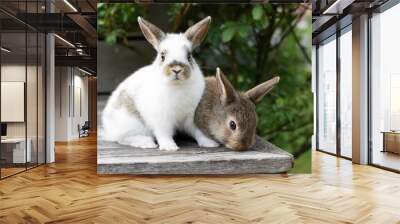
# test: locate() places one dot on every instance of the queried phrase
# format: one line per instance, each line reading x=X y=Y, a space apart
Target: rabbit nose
x=176 y=71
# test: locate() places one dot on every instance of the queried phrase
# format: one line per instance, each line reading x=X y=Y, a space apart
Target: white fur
x=164 y=105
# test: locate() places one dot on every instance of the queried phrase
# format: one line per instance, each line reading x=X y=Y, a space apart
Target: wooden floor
x=10 y=171
x=70 y=191
x=386 y=159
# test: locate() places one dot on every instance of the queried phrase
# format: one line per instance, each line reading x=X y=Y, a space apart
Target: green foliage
x=257 y=12
x=251 y=43
x=302 y=163
x=117 y=21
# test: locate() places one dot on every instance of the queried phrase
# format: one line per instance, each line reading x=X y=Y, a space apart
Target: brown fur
x=126 y=101
x=198 y=31
x=213 y=118
x=152 y=33
x=183 y=75
x=257 y=93
x=213 y=115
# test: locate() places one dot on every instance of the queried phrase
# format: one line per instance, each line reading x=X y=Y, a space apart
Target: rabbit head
x=238 y=119
x=174 y=50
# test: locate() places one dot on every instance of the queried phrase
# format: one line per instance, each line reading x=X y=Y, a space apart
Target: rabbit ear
x=198 y=31
x=257 y=93
x=152 y=33
x=227 y=92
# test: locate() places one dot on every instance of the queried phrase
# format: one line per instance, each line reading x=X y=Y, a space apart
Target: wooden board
x=391 y=142
x=264 y=157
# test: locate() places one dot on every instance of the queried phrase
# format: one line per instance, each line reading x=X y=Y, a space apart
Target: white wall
x=61 y=103
x=71 y=87
x=80 y=98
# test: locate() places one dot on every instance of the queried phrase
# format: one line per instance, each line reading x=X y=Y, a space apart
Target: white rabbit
x=159 y=99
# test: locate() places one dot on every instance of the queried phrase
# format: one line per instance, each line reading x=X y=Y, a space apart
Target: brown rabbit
x=227 y=115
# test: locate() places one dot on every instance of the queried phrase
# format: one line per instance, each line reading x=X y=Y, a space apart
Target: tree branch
x=290 y=29
x=284 y=126
x=179 y=18
x=234 y=63
x=302 y=48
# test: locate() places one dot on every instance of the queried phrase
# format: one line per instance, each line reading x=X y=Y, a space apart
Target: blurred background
x=251 y=43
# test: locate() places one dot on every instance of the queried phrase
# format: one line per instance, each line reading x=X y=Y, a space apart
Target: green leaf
x=257 y=12
x=101 y=23
x=112 y=38
x=244 y=31
x=228 y=34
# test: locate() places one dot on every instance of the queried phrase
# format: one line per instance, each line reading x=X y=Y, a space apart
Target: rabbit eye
x=162 y=56
x=189 y=57
x=232 y=125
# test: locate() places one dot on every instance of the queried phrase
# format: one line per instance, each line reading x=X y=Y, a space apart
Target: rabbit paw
x=169 y=147
x=145 y=145
x=208 y=143
x=145 y=142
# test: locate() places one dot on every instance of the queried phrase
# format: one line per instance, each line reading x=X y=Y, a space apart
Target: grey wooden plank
x=264 y=157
